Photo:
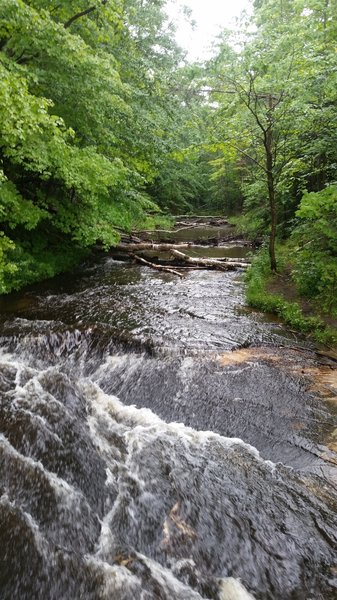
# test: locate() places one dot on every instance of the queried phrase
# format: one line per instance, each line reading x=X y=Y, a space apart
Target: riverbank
x=277 y=294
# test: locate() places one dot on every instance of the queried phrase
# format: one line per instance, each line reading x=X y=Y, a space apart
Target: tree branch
x=248 y=156
x=3 y=43
x=24 y=58
x=78 y=15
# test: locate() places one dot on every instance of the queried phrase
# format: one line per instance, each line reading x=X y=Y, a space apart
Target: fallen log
x=189 y=222
x=198 y=222
x=246 y=261
x=188 y=262
x=150 y=246
x=128 y=239
x=186 y=226
x=205 y=217
x=154 y=266
x=210 y=263
x=167 y=247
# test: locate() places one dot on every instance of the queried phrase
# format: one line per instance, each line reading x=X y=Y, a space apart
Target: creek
x=157 y=438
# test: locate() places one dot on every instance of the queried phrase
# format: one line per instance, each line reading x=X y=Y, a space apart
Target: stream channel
x=159 y=440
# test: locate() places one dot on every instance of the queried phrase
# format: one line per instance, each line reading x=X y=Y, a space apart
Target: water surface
x=144 y=457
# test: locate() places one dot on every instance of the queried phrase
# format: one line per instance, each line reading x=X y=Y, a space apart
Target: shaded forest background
x=104 y=128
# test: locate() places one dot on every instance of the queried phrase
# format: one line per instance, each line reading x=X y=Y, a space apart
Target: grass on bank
x=264 y=292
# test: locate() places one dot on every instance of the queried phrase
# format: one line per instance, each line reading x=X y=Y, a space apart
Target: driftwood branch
x=211 y=263
x=172 y=231
x=184 y=261
x=150 y=246
x=201 y=217
x=154 y=266
x=165 y=247
x=137 y=248
x=189 y=222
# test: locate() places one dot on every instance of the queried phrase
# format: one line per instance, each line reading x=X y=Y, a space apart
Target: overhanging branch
x=82 y=13
x=78 y=15
x=248 y=156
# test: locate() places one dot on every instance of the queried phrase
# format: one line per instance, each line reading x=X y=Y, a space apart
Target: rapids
x=160 y=441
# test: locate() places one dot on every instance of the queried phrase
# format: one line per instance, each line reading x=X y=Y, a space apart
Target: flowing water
x=160 y=441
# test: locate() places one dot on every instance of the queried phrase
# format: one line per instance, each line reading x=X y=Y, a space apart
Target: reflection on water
x=135 y=446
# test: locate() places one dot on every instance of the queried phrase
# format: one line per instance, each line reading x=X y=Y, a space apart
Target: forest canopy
x=105 y=127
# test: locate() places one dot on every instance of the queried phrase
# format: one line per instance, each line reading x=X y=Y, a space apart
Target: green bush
x=37 y=258
x=257 y=279
x=315 y=274
x=315 y=263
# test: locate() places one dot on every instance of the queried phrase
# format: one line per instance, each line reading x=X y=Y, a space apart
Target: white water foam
x=68 y=496
x=232 y=589
x=139 y=425
x=40 y=542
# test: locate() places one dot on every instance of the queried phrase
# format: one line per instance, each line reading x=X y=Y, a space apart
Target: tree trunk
x=273 y=221
x=268 y=144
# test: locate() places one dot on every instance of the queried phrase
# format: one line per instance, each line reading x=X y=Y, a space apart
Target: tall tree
x=83 y=120
x=265 y=106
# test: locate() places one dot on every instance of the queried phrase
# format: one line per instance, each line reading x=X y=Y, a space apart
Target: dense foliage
x=88 y=118
x=103 y=126
x=276 y=120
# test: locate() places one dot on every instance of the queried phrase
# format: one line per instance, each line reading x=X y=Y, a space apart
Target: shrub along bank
x=281 y=295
